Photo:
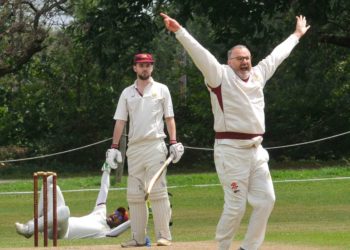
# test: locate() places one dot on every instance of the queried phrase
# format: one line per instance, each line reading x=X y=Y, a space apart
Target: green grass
x=315 y=213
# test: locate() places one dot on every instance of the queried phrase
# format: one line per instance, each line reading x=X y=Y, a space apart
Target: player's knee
x=235 y=210
x=49 y=180
x=158 y=194
x=135 y=197
x=271 y=201
x=63 y=213
x=265 y=203
x=135 y=192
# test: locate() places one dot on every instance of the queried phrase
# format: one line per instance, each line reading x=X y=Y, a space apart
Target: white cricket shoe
x=132 y=243
x=163 y=242
x=23 y=229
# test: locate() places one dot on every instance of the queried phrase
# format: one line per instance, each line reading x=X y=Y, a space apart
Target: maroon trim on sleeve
x=218 y=93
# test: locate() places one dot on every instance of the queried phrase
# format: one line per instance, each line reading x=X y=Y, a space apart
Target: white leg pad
x=161 y=217
x=139 y=220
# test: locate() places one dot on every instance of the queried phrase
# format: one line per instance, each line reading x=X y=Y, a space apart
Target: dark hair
x=118 y=217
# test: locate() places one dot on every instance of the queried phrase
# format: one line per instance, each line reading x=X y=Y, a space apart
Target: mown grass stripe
x=181 y=186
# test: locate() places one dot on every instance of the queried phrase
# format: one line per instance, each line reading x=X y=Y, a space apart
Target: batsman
x=237 y=99
x=145 y=104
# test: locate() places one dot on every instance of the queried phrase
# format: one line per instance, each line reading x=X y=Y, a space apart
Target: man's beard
x=243 y=74
x=143 y=76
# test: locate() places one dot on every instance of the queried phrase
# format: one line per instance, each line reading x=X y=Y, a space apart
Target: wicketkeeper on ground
x=237 y=99
x=94 y=225
x=145 y=103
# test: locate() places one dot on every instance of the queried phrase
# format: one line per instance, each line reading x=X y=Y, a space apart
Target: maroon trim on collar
x=245 y=80
x=138 y=91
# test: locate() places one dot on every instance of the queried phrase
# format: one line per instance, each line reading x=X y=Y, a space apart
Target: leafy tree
x=114 y=31
x=24 y=28
x=64 y=96
x=299 y=95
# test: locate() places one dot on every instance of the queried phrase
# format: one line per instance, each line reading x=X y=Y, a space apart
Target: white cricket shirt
x=242 y=102
x=93 y=225
x=145 y=112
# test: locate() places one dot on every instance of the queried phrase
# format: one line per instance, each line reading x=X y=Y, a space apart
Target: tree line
x=63 y=65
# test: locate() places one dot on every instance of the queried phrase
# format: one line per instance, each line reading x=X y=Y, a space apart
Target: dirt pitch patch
x=202 y=245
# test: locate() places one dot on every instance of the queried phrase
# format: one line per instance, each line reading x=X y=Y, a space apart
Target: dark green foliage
x=307 y=98
x=65 y=97
x=114 y=31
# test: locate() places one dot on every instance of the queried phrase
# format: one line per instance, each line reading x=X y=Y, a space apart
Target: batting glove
x=113 y=157
x=177 y=150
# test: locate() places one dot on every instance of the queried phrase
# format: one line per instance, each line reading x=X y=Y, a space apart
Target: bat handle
x=146 y=196
x=153 y=180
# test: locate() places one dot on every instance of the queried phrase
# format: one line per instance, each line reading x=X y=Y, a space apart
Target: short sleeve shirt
x=145 y=112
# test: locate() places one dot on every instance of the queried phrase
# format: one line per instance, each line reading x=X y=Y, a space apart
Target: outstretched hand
x=113 y=157
x=301 y=27
x=170 y=23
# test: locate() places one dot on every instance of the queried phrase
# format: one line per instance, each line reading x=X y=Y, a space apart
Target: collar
x=146 y=88
x=148 y=84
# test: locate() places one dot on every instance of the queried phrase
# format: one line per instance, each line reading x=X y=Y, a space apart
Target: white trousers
x=144 y=160
x=245 y=176
x=63 y=213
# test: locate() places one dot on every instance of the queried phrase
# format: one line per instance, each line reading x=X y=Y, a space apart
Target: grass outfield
x=307 y=212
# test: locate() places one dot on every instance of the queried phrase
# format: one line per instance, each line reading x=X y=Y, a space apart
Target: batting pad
x=161 y=217
x=139 y=219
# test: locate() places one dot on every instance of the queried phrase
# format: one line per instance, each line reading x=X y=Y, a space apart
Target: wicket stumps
x=45 y=190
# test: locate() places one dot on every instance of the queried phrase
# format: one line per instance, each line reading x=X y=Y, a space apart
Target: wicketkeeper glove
x=177 y=150
x=113 y=157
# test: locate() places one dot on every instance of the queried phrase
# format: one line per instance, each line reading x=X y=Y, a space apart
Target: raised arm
x=203 y=59
x=269 y=65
